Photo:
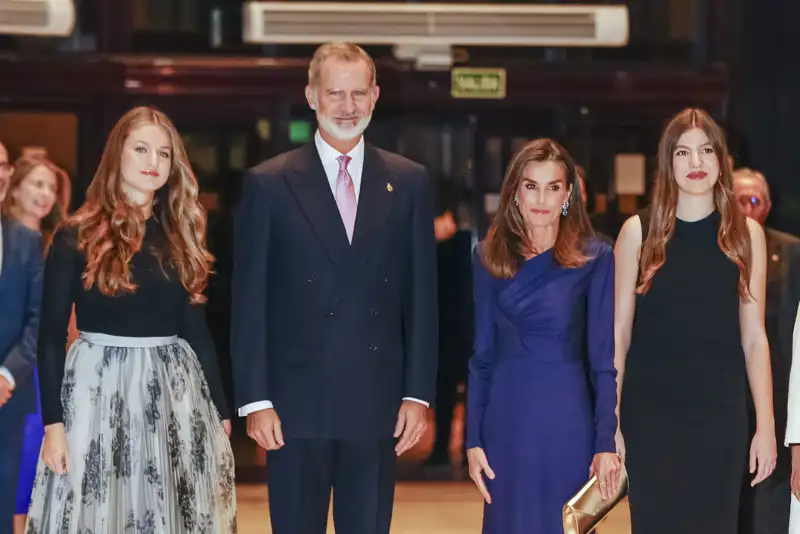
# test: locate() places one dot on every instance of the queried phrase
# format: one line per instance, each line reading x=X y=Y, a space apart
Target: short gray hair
x=745 y=173
x=343 y=51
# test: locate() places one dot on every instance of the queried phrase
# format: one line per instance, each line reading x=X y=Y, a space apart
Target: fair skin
x=444 y=226
x=344 y=98
x=542 y=193
x=696 y=170
x=795 y=480
x=145 y=165
x=35 y=197
x=5 y=176
x=753 y=198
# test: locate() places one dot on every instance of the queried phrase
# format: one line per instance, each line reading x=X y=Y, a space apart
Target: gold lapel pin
x=389 y=187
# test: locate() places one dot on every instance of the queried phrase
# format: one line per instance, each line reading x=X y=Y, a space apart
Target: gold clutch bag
x=587 y=509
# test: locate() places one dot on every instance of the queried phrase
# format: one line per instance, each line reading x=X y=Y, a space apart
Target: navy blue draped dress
x=542 y=385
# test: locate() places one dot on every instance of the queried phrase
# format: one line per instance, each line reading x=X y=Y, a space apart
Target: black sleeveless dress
x=683 y=407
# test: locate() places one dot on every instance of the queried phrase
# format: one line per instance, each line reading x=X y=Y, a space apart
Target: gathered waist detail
x=125 y=341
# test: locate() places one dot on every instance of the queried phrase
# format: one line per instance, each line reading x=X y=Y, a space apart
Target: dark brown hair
x=733 y=236
x=507 y=242
x=111 y=230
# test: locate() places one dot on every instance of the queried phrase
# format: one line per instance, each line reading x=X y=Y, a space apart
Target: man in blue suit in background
x=20 y=296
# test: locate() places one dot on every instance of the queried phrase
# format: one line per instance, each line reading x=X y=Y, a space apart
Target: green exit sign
x=478 y=83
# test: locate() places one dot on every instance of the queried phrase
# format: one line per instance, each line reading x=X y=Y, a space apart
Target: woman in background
x=540 y=408
x=135 y=415
x=692 y=271
x=38 y=197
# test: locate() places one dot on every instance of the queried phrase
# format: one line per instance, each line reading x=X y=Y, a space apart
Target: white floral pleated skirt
x=147 y=450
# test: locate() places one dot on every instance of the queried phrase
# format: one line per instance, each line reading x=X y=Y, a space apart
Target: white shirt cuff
x=427 y=405
x=247 y=409
x=5 y=373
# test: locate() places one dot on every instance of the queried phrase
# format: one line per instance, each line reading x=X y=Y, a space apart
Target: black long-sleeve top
x=159 y=307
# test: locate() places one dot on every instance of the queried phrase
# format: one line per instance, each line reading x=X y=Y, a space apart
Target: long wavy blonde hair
x=733 y=236
x=111 y=229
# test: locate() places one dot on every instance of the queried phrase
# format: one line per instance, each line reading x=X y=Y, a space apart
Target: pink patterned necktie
x=346 y=196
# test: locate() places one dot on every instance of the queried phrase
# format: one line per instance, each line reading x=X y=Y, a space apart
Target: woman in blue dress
x=542 y=384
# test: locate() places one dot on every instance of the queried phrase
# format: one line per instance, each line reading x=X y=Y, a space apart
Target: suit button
x=373 y=312
x=385 y=279
x=312 y=278
x=329 y=314
x=373 y=348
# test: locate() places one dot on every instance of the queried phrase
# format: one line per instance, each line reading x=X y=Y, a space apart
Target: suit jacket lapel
x=376 y=195
x=310 y=185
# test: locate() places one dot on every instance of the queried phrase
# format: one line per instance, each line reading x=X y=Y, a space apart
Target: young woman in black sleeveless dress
x=689 y=339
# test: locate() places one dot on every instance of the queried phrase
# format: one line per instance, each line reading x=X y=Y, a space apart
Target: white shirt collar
x=328 y=155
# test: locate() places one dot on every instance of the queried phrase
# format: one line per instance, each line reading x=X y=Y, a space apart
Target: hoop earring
x=564 y=208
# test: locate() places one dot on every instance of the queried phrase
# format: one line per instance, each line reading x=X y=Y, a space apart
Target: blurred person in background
x=38 y=197
x=596 y=220
x=540 y=407
x=20 y=294
x=765 y=507
x=456 y=316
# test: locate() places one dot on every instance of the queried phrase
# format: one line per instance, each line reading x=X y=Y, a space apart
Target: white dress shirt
x=328 y=155
x=5 y=373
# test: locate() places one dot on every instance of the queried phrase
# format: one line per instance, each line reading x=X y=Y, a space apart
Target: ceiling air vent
x=46 y=18
x=436 y=25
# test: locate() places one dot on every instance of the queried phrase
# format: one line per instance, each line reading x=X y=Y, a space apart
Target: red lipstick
x=150 y=173
x=540 y=211
x=696 y=175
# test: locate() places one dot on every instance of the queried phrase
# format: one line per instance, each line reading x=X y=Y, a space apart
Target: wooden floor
x=420 y=508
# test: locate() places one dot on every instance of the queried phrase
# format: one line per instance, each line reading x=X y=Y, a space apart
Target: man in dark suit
x=456 y=316
x=334 y=319
x=594 y=218
x=20 y=296
x=765 y=508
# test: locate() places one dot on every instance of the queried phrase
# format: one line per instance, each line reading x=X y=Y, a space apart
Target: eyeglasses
x=751 y=200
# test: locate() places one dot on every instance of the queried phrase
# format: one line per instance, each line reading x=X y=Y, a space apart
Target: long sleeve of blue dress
x=482 y=361
x=600 y=341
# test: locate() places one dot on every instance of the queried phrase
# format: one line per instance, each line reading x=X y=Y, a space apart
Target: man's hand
x=5 y=391
x=411 y=425
x=264 y=426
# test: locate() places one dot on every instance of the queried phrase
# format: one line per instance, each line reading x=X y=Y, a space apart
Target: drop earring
x=516 y=200
x=564 y=208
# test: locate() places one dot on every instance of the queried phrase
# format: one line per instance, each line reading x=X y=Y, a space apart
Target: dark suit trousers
x=361 y=473
x=12 y=430
x=765 y=508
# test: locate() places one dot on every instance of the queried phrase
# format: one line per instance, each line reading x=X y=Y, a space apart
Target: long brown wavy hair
x=733 y=236
x=23 y=167
x=507 y=242
x=111 y=229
